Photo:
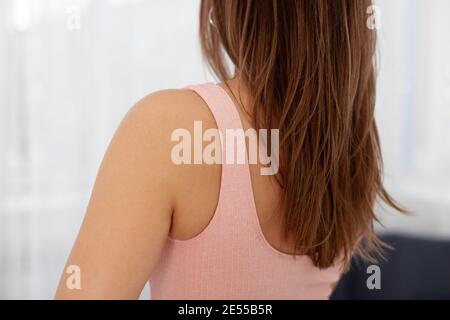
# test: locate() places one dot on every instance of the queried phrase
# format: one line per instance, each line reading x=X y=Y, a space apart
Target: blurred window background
x=70 y=70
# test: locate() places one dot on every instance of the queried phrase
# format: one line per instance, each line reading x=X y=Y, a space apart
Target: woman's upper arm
x=129 y=214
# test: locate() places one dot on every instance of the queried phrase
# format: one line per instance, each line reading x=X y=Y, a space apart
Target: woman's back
x=226 y=241
x=198 y=199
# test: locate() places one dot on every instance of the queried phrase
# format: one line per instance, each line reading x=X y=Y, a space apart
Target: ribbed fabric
x=230 y=258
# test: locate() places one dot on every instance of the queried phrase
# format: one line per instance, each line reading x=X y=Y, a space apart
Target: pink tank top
x=230 y=258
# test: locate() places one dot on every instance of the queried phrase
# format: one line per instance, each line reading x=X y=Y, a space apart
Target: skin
x=130 y=211
x=140 y=197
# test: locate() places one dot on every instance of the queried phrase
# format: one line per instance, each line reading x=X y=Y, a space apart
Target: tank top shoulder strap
x=220 y=104
x=236 y=191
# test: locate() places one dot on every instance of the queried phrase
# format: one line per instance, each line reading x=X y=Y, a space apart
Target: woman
x=223 y=230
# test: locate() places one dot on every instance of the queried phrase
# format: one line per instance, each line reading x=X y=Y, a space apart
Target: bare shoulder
x=194 y=189
x=134 y=199
x=146 y=132
x=170 y=109
x=149 y=124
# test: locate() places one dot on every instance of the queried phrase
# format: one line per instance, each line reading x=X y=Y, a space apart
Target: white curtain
x=70 y=69
x=69 y=72
x=414 y=112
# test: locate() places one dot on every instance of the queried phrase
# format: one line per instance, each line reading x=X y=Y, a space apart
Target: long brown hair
x=309 y=66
